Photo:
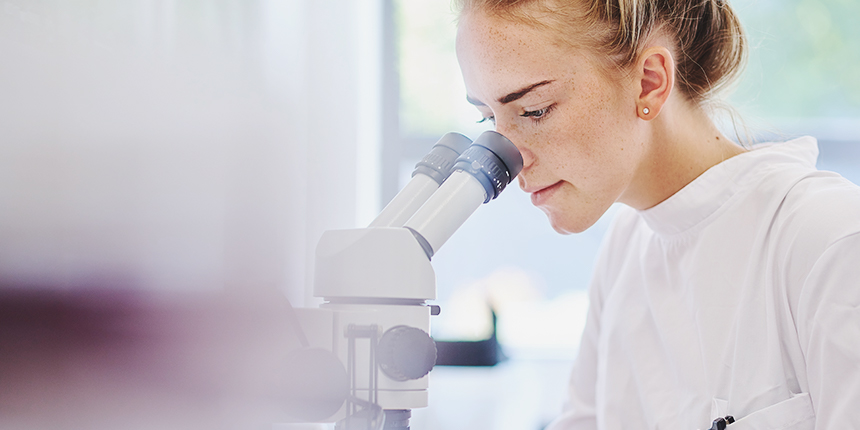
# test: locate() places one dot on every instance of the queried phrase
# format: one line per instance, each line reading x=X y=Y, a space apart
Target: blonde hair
x=710 y=44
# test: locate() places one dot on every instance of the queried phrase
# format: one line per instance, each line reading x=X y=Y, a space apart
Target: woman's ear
x=656 y=75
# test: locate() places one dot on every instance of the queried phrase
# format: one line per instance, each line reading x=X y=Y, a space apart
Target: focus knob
x=406 y=353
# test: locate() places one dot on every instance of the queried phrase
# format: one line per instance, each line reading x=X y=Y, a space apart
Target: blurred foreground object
x=105 y=359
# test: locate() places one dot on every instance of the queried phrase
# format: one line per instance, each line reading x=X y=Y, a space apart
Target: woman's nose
x=528 y=156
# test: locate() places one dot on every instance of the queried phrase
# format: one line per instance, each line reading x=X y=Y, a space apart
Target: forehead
x=498 y=55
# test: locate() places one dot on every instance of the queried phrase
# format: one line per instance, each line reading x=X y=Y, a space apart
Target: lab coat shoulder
x=820 y=208
x=828 y=327
x=818 y=231
x=818 y=211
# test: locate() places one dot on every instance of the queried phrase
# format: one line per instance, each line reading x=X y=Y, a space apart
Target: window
x=803 y=77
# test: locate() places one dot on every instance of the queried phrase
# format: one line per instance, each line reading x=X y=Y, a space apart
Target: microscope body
x=375 y=283
x=376 y=277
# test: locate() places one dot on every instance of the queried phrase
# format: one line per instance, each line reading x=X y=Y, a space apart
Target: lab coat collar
x=692 y=206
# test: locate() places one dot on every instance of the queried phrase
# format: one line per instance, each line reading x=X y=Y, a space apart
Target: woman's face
x=577 y=129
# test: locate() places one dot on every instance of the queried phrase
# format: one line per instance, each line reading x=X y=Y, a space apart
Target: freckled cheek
x=583 y=152
x=595 y=111
x=570 y=139
x=601 y=127
x=540 y=142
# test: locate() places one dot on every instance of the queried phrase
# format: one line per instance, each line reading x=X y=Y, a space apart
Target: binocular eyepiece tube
x=428 y=175
x=479 y=175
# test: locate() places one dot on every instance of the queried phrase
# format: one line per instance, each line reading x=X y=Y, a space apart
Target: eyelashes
x=539 y=114
x=535 y=115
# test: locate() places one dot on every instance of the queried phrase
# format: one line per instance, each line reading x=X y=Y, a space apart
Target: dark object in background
x=487 y=352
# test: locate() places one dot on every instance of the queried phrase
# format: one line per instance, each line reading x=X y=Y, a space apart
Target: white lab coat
x=739 y=295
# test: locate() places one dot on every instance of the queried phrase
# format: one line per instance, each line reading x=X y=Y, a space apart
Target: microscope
x=366 y=351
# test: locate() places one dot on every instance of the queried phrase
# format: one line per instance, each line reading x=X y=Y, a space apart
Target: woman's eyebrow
x=516 y=95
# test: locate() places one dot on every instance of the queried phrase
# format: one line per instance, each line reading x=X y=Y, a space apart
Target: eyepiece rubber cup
x=493 y=160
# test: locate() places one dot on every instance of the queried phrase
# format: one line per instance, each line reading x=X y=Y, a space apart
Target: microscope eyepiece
x=493 y=160
x=479 y=175
x=428 y=175
x=439 y=162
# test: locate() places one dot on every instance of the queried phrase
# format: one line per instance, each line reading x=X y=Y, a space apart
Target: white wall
x=166 y=169
x=179 y=145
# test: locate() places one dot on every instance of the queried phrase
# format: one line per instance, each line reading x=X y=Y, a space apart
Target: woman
x=731 y=283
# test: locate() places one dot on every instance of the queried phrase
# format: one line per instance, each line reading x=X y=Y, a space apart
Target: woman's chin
x=564 y=225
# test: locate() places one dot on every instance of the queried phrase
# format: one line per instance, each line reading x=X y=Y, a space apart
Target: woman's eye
x=487 y=118
x=537 y=114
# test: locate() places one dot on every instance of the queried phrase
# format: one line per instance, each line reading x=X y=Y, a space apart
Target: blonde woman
x=730 y=285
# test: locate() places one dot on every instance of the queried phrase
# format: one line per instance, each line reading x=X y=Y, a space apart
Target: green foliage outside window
x=804 y=63
x=804 y=58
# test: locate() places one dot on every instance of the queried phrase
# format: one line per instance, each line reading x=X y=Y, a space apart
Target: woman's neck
x=683 y=143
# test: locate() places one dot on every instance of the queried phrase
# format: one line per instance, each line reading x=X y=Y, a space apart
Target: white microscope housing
x=376 y=281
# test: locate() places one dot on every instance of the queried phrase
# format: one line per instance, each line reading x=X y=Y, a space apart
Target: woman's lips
x=540 y=196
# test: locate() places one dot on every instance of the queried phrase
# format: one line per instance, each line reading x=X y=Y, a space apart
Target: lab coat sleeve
x=828 y=323
x=580 y=412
